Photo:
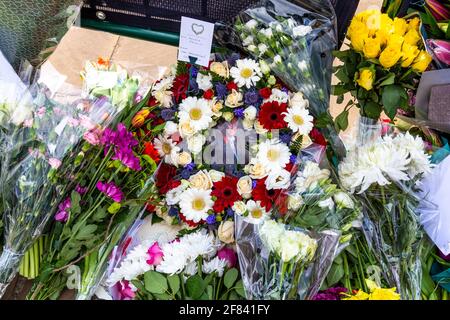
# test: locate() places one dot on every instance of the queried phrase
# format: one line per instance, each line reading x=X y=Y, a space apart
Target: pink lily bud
x=439 y=11
x=155 y=255
x=441 y=50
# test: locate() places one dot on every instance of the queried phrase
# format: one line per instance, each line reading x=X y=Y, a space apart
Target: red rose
x=163 y=176
x=265 y=93
x=271 y=115
x=180 y=87
x=226 y=193
x=209 y=94
x=231 y=85
x=317 y=137
x=152 y=102
x=150 y=207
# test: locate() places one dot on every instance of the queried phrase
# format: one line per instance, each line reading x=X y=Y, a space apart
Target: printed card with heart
x=195 y=41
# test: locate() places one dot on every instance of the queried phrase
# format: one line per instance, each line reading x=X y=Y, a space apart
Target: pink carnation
x=155 y=255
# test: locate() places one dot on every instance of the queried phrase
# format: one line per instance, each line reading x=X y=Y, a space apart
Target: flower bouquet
x=384 y=176
x=381 y=66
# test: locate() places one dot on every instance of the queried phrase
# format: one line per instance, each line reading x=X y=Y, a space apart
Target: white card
x=196 y=38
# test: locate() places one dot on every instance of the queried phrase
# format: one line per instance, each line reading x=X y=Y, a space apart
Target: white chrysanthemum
x=215 y=265
x=197 y=112
x=134 y=265
x=271 y=233
x=161 y=91
x=195 y=204
x=279 y=96
x=295 y=245
x=175 y=258
x=167 y=149
x=200 y=244
x=309 y=177
x=256 y=212
x=420 y=161
x=173 y=196
x=273 y=155
x=267 y=32
x=246 y=73
x=278 y=180
x=299 y=120
x=156 y=232
x=191 y=269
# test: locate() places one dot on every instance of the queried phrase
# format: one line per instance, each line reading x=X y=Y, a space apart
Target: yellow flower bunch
x=376 y=293
x=391 y=41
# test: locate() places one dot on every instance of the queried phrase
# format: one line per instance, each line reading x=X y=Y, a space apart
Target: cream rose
x=184 y=158
x=297 y=100
x=201 y=180
x=256 y=170
x=195 y=143
x=250 y=113
x=234 y=99
x=170 y=128
x=221 y=68
x=244 y=187
x=186 y=129
x=225 y=232
x=248 y=124
x=239 y=207
x=294 y=202
x=216 y=175
x=228 y=116
x=259 y=128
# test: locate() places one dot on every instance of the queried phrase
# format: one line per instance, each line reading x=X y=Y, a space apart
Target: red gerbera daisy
x=231 y=85
x=190 y=223
x=150 y=150
x=271 y=116
x=266 y=197
x=226 y=193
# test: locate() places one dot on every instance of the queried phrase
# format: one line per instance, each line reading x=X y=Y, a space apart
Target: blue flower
x=239 y=113
x=190 y=166
x=173 y=211
x=186 y=173
x=211 y=219
x=233 y=58
x=167 y=114
x=221 y=90
x=286 y=137
x=254 y=184
x=230 y=212
x=194 y=72
x=252 y=98
x=293 y=158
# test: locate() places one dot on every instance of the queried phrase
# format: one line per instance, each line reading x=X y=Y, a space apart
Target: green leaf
x=195 y=286
x=155 y=282
x=239 y=287
x=99 y=214
x=114 y=207
x=342 y=75
x=86 y=232
x=340 y=99
x=372 y=110
x=75 y=202
x=158 y=128
x=392 y=98
x=230 y=277
x=388 y=80
x=342 y=120
x=339 y=89
x=341 y=55
x=210 y=292
x=174 y=283
x=335 y=274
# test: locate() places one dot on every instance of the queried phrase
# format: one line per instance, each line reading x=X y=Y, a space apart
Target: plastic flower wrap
x=32 y=156
x=293 y=40
x=383 y=175
x=385 y=58
x=281 y=262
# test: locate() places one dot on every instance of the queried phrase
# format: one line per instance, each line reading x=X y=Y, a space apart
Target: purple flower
x=233 y=58
x=285 y=90
x=221 y=90
x=186 y=173
x=252 y=98
x=230 y=212
x=330 y=294
x=110 y=190
x=194 y=71
x=228 y=255
x=239 y=113
x=124 y=138
x=286 y=137
x=173 y=211
x=63 y=214
x=81 y=190
x=193 y=86
x=127 y=157
x=167 y=114
x=254 y=183
x=190 y=166
x=108 y=138
x=293 y=158
x=211 y=219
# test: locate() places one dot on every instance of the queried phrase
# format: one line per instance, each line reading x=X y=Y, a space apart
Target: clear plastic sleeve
x=28 y=30
x=268 y=275
x=295 y=39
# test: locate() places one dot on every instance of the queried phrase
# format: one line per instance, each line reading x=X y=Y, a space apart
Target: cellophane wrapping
x=295 y=39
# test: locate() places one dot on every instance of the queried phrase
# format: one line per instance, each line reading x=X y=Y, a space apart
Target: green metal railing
x=144 y=34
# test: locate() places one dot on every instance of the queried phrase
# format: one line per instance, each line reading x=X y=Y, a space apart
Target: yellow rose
x=383 y=36
x=357 y=41
x=390 y=56
x=362 y=16
x=221 y=68
x=356 y=26
x=387 y=24
x=201 y=180
x=400 y=26
x=244 y=187
x=409 y=53
x=371 y=48
x=225 y=232
x=414 y=23
x=216 y=107
x=395 y=41
x=366 y=78
x=422 y=61
x=234 y=99
x=373 y=22
x=412 y=37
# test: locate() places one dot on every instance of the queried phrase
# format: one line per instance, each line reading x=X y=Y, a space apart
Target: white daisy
x=273 y=155
x=195 y=204
x=278 y=180
x=215 y=265
x=167 y=149
x=197 y=112
x=299 y=120
x=256 y=213
x=247 y=72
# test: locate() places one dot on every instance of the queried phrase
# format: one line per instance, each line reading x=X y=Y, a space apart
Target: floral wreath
x=191 y=101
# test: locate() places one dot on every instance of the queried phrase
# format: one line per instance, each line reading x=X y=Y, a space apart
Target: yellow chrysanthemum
x=377 y=293
x=422 y=61
x=372 y=48
x=373 y=23
x=409 y=53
